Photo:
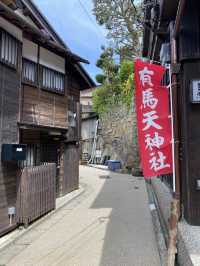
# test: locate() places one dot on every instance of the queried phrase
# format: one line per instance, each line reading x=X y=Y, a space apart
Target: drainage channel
x=159 y=233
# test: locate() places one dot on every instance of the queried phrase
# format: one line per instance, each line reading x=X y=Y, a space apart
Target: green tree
x=100 y=78
x=117 y=82
x=107 y=64
x=126 y=77
x=109 y=90
x=122 y=19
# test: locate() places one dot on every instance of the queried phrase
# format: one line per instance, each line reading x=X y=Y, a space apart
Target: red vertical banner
x=153 y=118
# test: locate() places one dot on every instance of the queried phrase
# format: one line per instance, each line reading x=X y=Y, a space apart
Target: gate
x=71 y=168
x=36 y=193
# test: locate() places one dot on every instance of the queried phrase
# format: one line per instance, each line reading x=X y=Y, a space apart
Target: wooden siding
x=9 y=111
x=30 y=136
x=44 y=108
x=36 y=192
x=168 y=8
x=74 y=107
x=190 y=144
x=189 y=40
x=73 y=86
x=69 y=175
x=75 y=92
x=73 y=134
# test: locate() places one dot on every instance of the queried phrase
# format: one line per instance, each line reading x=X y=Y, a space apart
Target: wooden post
x=175 y=204
x=173 y=231
x=61 y=171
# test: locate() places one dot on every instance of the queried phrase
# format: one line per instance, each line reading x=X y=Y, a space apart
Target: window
x=9 y=49
x=53 y=80
x=29 y=71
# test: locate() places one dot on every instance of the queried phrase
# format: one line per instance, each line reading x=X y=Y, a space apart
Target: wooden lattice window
x=53 y=80
x=29 y=72
x=9 y=49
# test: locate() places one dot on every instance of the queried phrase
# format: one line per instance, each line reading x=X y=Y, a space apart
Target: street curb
x=108 y=170
x=160 y=214
x=40 y=220
x=96 y=167
x=157 y=224
x=183 y=256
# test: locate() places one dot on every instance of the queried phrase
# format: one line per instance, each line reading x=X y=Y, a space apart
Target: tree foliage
x=122 y=19
x=100 y=78
x=126 y=77
x=117 y=86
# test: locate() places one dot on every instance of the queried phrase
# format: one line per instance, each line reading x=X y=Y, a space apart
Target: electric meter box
x=13 y=152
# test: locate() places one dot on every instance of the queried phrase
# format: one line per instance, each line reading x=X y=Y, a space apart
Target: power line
x=90 y=18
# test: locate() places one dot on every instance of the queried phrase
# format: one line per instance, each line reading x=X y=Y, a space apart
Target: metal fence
x=36 y=192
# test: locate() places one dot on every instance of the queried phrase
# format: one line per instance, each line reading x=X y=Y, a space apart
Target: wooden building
x=40 y=84
x=88 y=124
x=172 y=36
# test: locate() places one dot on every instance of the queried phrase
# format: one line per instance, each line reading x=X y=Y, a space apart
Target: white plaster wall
x=52 y=60
x=12 y=29
x=86 y=100
x=30 y=50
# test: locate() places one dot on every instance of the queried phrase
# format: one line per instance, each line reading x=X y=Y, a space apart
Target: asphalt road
x=109 y=224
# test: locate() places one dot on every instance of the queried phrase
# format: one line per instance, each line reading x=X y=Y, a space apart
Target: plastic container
x=114 y=165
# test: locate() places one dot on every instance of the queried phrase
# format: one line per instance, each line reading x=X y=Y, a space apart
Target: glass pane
x=29 y=71
x=53 y=80
x=9 y=49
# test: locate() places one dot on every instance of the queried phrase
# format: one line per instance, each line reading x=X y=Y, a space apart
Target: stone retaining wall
x=117 y=137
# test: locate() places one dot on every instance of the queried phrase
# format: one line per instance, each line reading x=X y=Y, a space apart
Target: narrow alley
x=109 y=223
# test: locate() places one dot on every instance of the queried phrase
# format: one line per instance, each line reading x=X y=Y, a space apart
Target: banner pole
x=172 y=128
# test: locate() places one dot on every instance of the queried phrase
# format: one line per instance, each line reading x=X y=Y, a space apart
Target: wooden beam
x=179 y=16
x=40 y=127
x=8 y=2
x=161 y=32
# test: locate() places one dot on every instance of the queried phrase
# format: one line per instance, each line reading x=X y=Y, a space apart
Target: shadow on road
x=129 y=238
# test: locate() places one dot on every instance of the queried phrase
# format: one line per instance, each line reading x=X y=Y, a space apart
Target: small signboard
x=11 y=211
x=195 y=91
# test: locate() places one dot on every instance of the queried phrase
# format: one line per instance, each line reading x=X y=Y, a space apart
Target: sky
x=76 y=25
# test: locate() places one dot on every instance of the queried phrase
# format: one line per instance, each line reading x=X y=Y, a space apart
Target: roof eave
x=168 y=11
x=9 y=14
